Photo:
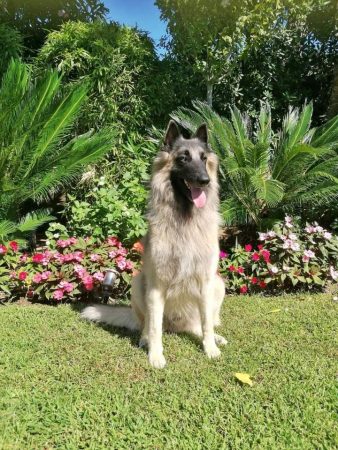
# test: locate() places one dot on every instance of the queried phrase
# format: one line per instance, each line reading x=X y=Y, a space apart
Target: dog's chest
x=184 y=251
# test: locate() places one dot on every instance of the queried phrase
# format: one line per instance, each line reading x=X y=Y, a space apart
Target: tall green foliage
x=236 y=53
x=117 y=62
x=38 y=158
x=265 y=173
x=35 y=18
x=11 y=46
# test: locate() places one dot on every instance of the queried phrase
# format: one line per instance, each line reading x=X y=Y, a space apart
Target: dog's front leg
x=155 y=309
x=207 y=321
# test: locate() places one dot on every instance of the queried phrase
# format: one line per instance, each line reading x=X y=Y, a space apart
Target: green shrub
x=116 y=61
x=37 y=157
x=114 y=203
x=265 y=173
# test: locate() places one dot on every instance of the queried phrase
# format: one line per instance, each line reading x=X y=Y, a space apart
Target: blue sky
x=142 y=13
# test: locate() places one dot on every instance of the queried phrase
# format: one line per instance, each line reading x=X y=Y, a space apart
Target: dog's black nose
x=203 y=180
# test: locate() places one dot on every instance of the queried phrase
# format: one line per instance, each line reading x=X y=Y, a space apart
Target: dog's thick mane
x=178 y=241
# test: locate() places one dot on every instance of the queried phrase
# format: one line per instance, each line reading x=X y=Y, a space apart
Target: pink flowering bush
x=65 y=268
x=286 y=258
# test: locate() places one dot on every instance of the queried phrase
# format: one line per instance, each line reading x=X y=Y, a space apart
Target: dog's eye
x=184 y=157
x=203 y=157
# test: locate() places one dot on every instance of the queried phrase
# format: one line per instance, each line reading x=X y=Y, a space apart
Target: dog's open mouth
x=198 y=195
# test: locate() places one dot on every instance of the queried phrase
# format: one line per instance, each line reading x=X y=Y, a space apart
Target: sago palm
x=264 y=174
x=38 y=158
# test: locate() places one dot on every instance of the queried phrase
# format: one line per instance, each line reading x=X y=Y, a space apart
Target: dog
x=178 y=289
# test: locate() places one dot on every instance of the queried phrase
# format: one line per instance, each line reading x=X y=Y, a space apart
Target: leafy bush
x=37 y=157
x=264 y=173
x=116 y=62
x=114 y=203
x=287 y=258
x=65 y=268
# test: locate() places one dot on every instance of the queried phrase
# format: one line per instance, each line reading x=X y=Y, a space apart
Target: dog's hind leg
x=219 y=293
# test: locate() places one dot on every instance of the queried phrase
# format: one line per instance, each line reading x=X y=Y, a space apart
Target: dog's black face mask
x=189 y=175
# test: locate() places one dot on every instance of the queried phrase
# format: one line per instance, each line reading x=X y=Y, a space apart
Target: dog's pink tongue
x=198 y=197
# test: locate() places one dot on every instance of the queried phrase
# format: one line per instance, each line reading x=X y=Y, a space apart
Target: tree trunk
x=209 y=93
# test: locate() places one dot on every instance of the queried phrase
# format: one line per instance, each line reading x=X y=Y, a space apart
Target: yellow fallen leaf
x=274 y=310
x=244 y=378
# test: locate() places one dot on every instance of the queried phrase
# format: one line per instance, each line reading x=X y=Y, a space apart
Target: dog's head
x=193 y=164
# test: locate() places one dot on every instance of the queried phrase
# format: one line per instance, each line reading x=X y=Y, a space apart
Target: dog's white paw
x=220 y=340
x=157 y=360
x=212 y=351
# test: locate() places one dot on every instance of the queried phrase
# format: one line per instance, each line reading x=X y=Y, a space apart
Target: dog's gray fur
x=178 y=288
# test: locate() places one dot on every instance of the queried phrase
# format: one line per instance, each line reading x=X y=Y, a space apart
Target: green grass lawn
x=68 y=384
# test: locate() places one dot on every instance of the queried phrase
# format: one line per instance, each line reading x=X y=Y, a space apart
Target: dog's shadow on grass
x=133 y=336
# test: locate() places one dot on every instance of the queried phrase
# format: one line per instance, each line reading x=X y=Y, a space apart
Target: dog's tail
x=118 y=316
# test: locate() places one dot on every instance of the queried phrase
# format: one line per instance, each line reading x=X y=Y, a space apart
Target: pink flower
x=240 y=270
x=129 y=265
x=255 y=256
x=94 y=257
x=266 y=255
x=254 y=280
x=310 y=229
x=78 y=256
x=58 y=294
x=24 y=257
x=22 y=276
x=262 y=236
x=14 y=246
x=114 y=241
x=3 y=249
x=88 y=282
x=98 y=276
x=37 y=278
x=248 y=247
x=232 y=268
x=327 y=235
x=112 y=254
x=66 y=286
x=80 y=271
x=260 y=247
x=243 y=289
x=262 y=284
x=271 y=234
x=63 y=243
x=287 y=243
x=45 y=275
x=72 y=240
x=38 y=258
x=288 y=222
x=308 y=254
x=30 y=293
x=122 y=251
x=223 y=254
x=121 y=262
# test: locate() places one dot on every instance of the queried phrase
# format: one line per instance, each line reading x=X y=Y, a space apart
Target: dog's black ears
x=202 y=133
x=171 y=135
